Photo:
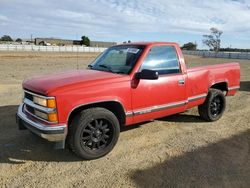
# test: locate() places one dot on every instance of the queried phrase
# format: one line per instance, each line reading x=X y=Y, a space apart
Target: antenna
x=77 y=64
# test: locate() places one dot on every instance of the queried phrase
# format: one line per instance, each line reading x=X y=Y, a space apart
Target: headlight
x=43 y=107
x=40 y=101
x=41 y=114
x=50 y=103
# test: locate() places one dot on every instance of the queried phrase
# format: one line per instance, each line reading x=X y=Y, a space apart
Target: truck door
x=167 y=95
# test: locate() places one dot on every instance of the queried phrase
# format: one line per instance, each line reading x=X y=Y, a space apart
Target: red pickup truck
x=126 y=84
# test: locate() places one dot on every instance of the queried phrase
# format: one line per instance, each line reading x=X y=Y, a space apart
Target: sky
x=179 y=21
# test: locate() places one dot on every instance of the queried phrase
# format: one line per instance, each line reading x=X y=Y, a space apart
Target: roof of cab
x=149 y=43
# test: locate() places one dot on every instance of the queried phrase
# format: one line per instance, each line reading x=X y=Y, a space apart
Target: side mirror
x=147 y=74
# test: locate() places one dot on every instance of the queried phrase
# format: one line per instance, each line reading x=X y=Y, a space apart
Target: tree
x=213 y=40
x=18 y=40
x=85 y=41
x=189 y=46
x=6 y=38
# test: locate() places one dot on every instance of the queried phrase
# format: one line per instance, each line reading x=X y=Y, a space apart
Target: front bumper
x=51 y=133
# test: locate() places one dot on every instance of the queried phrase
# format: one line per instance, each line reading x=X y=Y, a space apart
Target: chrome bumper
x=55 y=134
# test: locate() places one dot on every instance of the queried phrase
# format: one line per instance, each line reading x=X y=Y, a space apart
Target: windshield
x=118 y=59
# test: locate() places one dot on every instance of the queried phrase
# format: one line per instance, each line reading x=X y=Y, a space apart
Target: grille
x=28 y=96
x=38 y=111
x=30 y=109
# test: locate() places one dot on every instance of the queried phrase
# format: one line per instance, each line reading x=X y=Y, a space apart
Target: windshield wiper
x=119 y=72
x=106 y=67
x=90 y=66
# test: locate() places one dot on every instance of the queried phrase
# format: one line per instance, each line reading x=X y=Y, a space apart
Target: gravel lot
x=176 y=151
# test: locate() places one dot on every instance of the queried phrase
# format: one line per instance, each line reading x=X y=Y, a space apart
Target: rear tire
x=214 y=105
x=93 y=133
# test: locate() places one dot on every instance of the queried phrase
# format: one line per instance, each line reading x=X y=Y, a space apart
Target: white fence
x=230 y=55
x=10 y=47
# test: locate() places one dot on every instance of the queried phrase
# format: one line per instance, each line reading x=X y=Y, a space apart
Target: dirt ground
x=176 y=151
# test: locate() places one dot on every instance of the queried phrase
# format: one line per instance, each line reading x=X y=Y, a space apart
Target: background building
x=65 y=42
x=57 y=42
x=102 y=44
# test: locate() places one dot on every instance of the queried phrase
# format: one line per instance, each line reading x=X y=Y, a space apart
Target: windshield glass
x=118 y=59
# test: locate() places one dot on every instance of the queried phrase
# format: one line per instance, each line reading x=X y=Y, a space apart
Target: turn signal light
x=52 y=117
x=51 y=103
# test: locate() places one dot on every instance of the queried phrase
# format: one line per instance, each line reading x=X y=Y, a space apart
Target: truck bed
x=201 y=78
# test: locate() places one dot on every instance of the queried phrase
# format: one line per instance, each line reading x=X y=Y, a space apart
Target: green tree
x=85 y=41
x=18 y=40
x=213 y=40
x=6 y=38
x=189 y=46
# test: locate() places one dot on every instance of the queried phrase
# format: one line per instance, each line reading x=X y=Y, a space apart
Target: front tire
x=214 y=105
x=93 y=133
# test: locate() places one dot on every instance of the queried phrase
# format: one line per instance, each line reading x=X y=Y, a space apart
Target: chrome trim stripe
x=165 y=106
x=233 y=88
x=37 y=125
x=37 y=95
x=129 y=114
x=158 y=108
x=38 y=107
x=196 y=97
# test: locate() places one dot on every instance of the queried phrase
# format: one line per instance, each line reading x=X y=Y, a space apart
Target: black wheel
x=214 y=105
x=93 y=133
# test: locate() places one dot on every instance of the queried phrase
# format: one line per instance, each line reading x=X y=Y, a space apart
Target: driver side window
x=162 y=59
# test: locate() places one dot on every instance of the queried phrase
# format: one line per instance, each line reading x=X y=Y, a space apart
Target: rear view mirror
x=147 y=74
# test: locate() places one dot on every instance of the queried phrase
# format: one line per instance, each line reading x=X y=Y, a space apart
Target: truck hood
x=47 y=83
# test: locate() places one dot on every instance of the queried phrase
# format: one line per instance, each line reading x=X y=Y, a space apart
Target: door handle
x=181 y=82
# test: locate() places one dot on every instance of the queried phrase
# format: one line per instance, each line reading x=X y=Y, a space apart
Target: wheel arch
x=223 y=86
x=112 y=105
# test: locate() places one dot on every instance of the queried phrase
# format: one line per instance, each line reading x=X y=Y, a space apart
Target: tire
x=93 y=133
x=214 y=105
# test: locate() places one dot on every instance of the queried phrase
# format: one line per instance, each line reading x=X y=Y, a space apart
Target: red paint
x=76 y=88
